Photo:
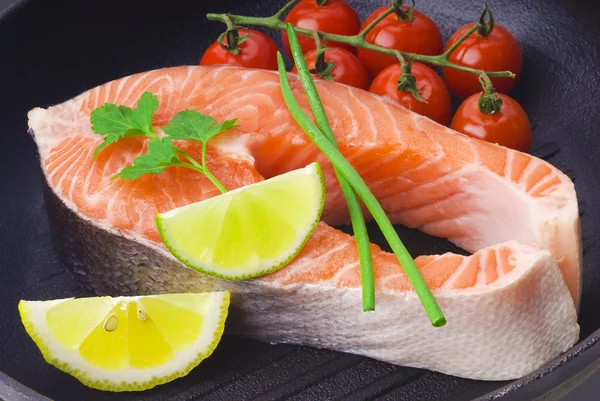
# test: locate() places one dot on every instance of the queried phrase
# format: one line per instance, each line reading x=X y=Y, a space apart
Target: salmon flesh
x=511 y=306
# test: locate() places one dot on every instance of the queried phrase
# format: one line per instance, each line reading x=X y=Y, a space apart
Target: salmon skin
x=511 y=306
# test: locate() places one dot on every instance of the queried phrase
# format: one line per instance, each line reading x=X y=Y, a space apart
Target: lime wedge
x=127 y=343
x=250 y=231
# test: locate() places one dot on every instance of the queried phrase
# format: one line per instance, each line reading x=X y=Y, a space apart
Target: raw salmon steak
x=510 y=306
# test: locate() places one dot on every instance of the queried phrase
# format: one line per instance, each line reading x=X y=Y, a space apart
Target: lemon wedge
x=127 y=343
x=250 y=231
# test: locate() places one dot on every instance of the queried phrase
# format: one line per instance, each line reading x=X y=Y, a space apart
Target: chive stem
x=342 y=165
x=356 y=216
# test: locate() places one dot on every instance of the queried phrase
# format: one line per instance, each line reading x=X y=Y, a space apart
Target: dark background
x=587 y=391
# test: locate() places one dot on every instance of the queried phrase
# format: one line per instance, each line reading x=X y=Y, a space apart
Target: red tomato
x=499 y=51
x=430 y=86
x=509 y=127
x=348 y=69
x=421 y=36
x=335 y=16
x=258 y=51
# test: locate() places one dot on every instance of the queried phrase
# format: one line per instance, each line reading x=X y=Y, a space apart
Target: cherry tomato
x=420 y=36
x=509 y=127
x=335 y=16
x=258 y=51
x=348 y=68
x=430 y=86
x=499 y=51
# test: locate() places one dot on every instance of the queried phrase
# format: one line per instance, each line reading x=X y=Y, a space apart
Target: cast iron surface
x=51 y=51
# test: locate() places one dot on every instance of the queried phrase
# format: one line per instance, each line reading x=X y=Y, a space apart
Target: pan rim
x=557 y=377
x=571 y=369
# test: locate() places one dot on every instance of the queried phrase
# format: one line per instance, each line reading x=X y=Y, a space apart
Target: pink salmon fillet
x=511 y=306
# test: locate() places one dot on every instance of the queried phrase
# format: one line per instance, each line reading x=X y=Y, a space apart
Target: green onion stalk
x=356 y=216
x=345 y=169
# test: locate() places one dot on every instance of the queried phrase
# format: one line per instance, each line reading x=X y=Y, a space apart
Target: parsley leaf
x=161 y=154
x=142 y=114
x=116 y=122
x=193 y=125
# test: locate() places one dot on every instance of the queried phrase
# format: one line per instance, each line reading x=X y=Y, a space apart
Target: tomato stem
x=486 y=28
x=322 y=68
x=359 y=40
x=321 y=3
x=400 y=58
x=279 y=14
x=455 y=45
x=486 y=84
x=364 y=32
x=318 y=44
x=233 y=37
x=489 y=101
x=407 y=82
x=402 y=14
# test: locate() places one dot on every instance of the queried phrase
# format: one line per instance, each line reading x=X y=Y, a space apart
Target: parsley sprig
x=115 y=122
